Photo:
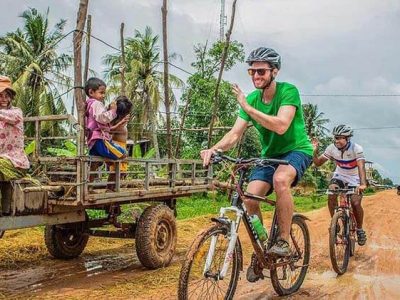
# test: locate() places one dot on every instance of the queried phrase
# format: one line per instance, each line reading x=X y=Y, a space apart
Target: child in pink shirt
x=97 y=123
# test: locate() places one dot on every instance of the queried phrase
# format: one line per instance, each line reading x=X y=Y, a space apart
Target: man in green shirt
x=274 y=108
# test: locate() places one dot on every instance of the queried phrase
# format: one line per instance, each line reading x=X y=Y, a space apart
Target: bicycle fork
x=232 y=236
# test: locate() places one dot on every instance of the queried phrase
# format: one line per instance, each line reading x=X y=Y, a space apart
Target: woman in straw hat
x=13 y=161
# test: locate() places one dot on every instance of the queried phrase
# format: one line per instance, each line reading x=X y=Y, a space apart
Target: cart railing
x=66 y=179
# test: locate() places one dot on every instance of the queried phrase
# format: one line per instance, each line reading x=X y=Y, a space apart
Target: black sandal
x=361 y=237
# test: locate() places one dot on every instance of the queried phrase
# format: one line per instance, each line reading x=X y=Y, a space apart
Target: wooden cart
x=59 y=198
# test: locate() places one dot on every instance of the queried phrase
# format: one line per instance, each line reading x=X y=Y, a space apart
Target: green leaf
x=70 y=146
x=30 y=148
x=137 y=152
x=150 y=154
x=60 y=152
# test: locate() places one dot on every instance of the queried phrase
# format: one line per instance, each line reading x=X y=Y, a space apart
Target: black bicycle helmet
x=268 y=55
x=342 y=130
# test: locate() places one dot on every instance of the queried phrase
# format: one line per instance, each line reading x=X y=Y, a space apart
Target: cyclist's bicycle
x=214 y=260
x=342 y=232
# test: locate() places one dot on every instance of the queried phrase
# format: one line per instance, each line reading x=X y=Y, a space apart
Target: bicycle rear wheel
x=287 y=278
x=193 y=283
x=339 y=243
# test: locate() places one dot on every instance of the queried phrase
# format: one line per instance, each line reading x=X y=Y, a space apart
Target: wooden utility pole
x=224 y=55
x=87 y=54
x=166 y=84
x=78 y=93
x=123 y=65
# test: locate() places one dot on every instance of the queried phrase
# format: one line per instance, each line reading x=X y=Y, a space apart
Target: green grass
x=210 y=204
x=199 y=205
x=206 y=204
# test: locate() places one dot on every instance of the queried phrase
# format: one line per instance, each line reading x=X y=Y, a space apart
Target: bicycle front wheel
x=197 y=283
x=339 y=243
x=288 y=273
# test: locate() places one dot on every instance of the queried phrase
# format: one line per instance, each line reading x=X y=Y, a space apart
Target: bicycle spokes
x=201 y=274
x=288 y=273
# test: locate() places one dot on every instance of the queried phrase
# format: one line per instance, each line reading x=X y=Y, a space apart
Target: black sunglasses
x=260 y=72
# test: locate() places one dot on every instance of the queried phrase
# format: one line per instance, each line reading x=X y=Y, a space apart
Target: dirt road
x=109 y=269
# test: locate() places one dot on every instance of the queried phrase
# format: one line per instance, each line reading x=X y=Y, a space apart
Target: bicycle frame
x=344 y=204
x=216 y=253
x=240 y=212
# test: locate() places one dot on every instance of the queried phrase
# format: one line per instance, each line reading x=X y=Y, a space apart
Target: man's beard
x=267 y=83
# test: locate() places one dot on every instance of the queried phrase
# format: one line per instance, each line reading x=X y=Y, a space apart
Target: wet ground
x=116 y=273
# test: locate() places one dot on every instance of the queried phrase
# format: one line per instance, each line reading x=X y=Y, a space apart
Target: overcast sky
x=328 y=47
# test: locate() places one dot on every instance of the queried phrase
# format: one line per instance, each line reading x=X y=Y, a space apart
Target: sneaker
x=281 y=249
x=254 y=271
x=361 y=237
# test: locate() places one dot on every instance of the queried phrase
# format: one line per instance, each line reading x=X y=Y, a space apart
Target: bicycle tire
x=352 y=246
x=292 y=286
x=352 y=238
x=338 y=264
x=196 y=256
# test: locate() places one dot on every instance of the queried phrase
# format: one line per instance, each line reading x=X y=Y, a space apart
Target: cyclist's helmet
x=263 y=54
x=342 y=130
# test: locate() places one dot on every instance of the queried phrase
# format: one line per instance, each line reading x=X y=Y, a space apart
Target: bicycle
x=214 y=260
x=342 y=231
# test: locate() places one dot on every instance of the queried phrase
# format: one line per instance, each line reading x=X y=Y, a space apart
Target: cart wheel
x=65 y=241
x=156 y=236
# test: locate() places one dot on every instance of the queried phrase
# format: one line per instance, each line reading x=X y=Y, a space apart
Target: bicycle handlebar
x=338 y=191
x=218 y=157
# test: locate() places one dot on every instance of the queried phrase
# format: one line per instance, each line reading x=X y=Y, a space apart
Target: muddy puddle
x=60 y=273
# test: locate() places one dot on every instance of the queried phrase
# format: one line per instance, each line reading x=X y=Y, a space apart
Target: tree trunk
x=152 y=116
x=87 y=53
x=185 y=110
x=123 y=83
x=78 y=93
x=224 y=55
x=153 y=128
x=166 y=84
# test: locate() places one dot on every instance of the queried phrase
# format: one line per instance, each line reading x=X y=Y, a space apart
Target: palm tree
x=143 y=81
x=314 y=121
x=29 y=57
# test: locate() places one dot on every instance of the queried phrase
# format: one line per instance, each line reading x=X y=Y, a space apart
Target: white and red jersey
x=346 y=161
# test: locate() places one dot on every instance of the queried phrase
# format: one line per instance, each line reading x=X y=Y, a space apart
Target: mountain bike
x=342 y=231
x=214 y=260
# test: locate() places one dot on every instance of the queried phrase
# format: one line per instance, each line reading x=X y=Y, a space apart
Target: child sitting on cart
x=98 y=124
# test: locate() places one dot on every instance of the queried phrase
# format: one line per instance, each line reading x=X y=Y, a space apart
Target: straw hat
x=5 y=84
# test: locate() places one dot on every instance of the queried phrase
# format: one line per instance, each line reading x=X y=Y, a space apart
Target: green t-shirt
x=295 y=138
